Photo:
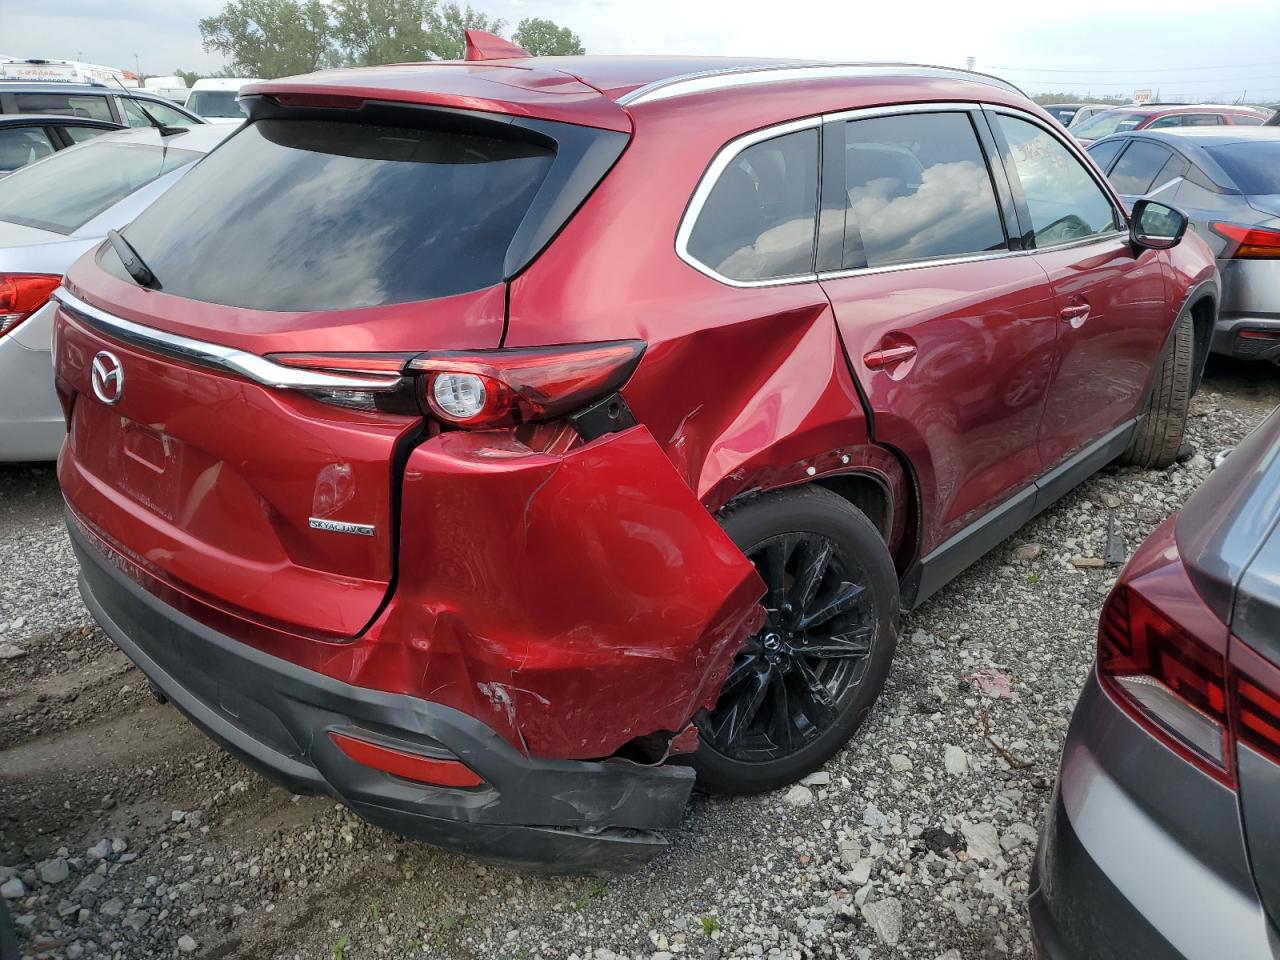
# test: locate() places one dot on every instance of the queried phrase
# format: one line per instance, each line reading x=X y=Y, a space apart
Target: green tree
x=188 y=76
x=543 y=38
x=447 y=24
x=382 y=31
x=270 y=38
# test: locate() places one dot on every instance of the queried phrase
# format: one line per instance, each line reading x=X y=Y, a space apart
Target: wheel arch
x=1203 y=307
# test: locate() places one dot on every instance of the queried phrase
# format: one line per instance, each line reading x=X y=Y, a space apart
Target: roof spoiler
x=488 y=46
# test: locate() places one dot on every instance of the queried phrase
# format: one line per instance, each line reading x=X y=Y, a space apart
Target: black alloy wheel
x=802 y=685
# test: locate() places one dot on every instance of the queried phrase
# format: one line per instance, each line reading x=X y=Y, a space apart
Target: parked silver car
x=1161 y=841
x=51 y=212
x=1227 y=180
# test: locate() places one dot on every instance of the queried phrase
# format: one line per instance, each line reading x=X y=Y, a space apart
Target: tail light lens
x=22 y=294
x=481 y=388
x=1172 y=682
x=1248 y=243
x=491 y=388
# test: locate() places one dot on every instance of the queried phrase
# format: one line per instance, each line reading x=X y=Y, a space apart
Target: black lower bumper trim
x=561 y=815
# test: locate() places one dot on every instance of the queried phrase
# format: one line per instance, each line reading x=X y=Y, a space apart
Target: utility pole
x=969 y=62
x=136 y=67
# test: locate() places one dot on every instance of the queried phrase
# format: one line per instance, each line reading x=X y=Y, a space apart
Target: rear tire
x=1159 y=434
x=802 y=686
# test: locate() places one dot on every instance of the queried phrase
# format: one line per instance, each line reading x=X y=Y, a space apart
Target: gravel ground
x=126 y=834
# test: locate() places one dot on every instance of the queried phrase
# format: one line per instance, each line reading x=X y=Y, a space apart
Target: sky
x=1184 y=49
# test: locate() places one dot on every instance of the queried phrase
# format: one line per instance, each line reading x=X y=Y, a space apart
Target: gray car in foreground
x=1162 y=840
x=51 y=212
x=1227 y=181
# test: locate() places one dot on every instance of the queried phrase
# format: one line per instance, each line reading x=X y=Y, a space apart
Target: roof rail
x=702 y=81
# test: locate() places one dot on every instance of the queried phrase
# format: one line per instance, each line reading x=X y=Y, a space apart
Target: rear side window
x=917 y=188
x=1254 y=167
x=81 y=134
x=1136 y=172
x=22 y=145
x=1244 y=120
x=319 y=215
x=81 y=182
x=758 y=221
x=64 y=105
x=1065 y=202
x=1104 y=152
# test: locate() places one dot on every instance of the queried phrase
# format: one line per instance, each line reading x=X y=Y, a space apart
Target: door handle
x=1076 y=314
x=877 y=359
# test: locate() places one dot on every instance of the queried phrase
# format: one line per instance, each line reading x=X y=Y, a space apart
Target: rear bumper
x=1228 y=341
x=562 y=815
x=31 y=422
x=1141 y=854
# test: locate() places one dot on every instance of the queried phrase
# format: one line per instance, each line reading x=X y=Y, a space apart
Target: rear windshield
x=1107 y=123
x=321 y=215
x=67 y=190
x=215 y=103
x=1253 y=167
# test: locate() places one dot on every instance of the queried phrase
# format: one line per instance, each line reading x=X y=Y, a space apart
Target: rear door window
x=77 y=185
x=79 y=134
x=64 y=105
x=22 y=145
x=1066 y=204
x=917 y=187
x=758 y=222
x=319 y=215
x=1136 y=171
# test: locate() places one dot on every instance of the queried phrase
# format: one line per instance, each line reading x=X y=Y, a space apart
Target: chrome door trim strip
x=239 y=362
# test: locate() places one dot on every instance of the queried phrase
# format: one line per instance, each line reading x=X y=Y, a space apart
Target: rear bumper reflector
x=410 y=766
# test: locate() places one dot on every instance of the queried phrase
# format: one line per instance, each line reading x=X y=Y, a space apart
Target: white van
x=171 y=88
x=215 y=99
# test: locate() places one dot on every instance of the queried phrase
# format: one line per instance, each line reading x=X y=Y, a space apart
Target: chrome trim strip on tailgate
x=240 y=362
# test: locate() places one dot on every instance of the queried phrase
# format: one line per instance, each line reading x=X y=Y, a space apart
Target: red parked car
x=495 y=446
x=1165 y=116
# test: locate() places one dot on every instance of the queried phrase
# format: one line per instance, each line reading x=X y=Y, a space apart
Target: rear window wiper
x=133 y=263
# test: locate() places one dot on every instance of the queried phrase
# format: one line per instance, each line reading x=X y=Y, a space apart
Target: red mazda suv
x=499 y=445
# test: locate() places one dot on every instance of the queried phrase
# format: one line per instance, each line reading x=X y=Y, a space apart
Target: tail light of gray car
x=21 y=295
x=1248 y=243
x=1181 y=688
x=1173 y=683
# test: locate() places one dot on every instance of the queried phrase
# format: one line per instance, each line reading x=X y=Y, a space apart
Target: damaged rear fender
x=572 y=602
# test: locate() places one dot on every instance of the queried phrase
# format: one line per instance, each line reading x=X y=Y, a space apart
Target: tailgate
x=223 y=487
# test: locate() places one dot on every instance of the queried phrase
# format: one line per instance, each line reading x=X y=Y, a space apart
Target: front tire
x=1159 y=435
x=802 y=686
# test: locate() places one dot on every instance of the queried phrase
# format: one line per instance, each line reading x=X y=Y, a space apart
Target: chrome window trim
x=725 y=156
x=969 y=258
x=708 y=80
x=239 y=362
x=1080 y=154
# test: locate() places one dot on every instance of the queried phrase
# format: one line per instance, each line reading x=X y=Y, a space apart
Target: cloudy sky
x=1184 y=48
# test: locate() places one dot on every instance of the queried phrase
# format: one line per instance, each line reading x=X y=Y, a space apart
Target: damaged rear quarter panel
x=572 y=602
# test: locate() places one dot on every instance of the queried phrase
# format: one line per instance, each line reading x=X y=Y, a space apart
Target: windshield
x=1064 y=115
x=215 y=103
x=66 y=191
x=1254 y=166
x=1107 y=123
x=319 y=215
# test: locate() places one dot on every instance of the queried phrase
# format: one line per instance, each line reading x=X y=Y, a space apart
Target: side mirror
x=1154 y=226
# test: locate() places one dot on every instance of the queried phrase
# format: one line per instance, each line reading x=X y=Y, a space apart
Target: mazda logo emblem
x=107 y=377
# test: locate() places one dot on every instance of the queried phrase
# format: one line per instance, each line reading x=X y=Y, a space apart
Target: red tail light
x=410 y=766
x=1248 y=243
x=1257 y=718
x=1174 y=684
x=489 y=388
x=22 y=294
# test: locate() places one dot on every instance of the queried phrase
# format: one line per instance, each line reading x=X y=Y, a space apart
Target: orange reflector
x=411 y=766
